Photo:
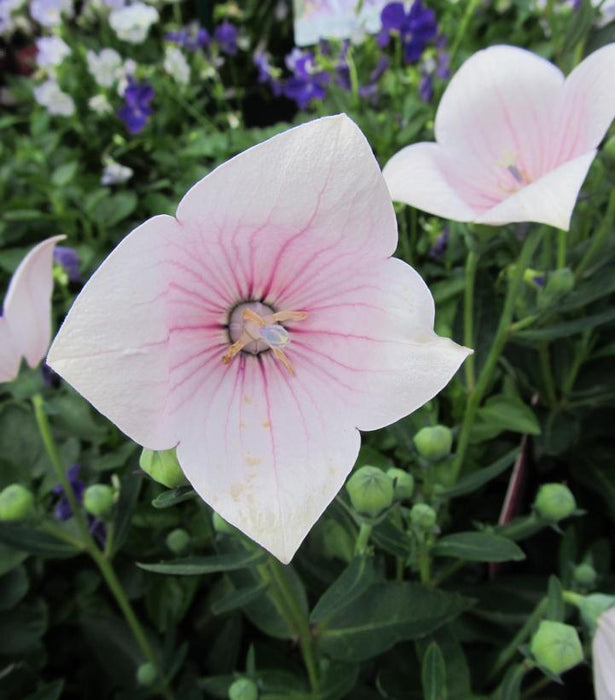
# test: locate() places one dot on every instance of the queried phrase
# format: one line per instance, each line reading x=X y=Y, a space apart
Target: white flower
x=99 y=104
x=8 y=23
x=51 y=51
x=115 y=173
x=105 y=67
x=49 y=12
x=176 y=65
x=132 y=23
x=49 y=94
x=603 y=650
x=126 y=71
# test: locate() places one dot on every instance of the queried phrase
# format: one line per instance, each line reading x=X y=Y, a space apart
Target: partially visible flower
x=126 y=75
x=190 y=38
x=8 y=22
x=438 y=249
x=51 y=51
x=514 y=139
x=25 y=324
x=100 y=104
x=49 y=13
x=226 y=36
x=415 y=27
x=267 y=73
x=370 y=90
x=115 y=173
x=433 y=66
x=176 y=65
x=105 y=67
x=259 y=330
x=63 y=511
x=603 y=650
x=136 y=109
x=68 y=259
x=308 y=82
x=132 y=23
x=50 y=95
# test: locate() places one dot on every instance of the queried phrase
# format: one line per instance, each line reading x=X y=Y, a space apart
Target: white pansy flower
x=115 y=173
x=99 y=104
x=50 y=95
x=49 y=13
x=132 y=23
x=105 y=67
x=51 y=51
x=176 y=65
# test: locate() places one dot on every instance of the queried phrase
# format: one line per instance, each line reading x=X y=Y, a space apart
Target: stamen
x=249 y=315
x=279 y=354
x=234 y=349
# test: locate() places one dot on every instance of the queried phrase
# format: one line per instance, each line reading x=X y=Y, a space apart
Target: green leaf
x=567 y=328
x=10 y=558
x=336 y=682
x=49 y=691
x=13 y=587
x=392 y=539
x=433 y=674
x=114 y=209
x=129 y=494
x=502 y=413
x=555 y=601
x=64 y=173
x=354 y=580
x=387 y=613
x=22 y=628
x=474 y=481
x=36 y=541
x=238 y=599
x=477 y=546
x=166 y=499
x=510 y=688
x=194 y=566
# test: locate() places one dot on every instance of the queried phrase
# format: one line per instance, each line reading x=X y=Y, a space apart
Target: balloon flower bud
x=559 y=282
x=423 y=517
x=220 y=525
x=146 y=674
x=434 y=443
x=592 y=606
x=163 y=467
x=243 y=689
x=403 y=483
x=98 y=500
x=178 y=541
x=556 y=646
x=16 y=503
x=370 y=491
x=554 y=502
x=585 y=575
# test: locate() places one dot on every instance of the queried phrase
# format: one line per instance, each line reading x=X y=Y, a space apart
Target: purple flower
x=426 y=88
x=266 y=73
x=307 y=82
x=63 y=511
x=136 y=109
x=68 y=259
x=190 y=38
x=438 y=249
x=416 y=28
x=369 y=91
x=226 y=36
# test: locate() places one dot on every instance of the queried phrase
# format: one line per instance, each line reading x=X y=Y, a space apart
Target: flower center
x=255 y=327
x=516 y=175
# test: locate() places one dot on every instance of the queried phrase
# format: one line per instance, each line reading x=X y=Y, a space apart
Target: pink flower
x=603 y=650
x=514 y=139
x=262 y=327
x=25 y=324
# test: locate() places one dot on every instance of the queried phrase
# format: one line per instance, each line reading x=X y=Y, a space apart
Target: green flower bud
x=585 y=575
x=178 y=540
x=370 y=491
x=98 y=500
x=554 y=502
x=16 y=503
x=592 y=606
x=423 y=516
x=556 y=646
x=220 y=525
x=163 y=467
x=336 y=540
x=559 y=283
x=403 y=483
x=243 y=689
x=434 y=443
x=146 y=674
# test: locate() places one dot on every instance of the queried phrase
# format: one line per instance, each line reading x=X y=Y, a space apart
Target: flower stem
x=603 y=231
x=561 y=248
x=468 y=317
x=296 y=618
x=547 y=373
x=499 y=341
x=365 y=532
x=463 y=26
x=88 y=543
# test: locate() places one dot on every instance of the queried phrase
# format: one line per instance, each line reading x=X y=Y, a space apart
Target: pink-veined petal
x=10 y=357
x=588 y=106
x=27 y=305
x=603 y=652
x=305 y=192
x=550 y=200
x=500 y=106
x=112 y=347
x=372 y=346
x=267 y=452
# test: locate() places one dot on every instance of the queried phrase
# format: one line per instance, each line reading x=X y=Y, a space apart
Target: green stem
x=561 y=248
x=88 y=543
x=468 y=316
x=463 y=26
x=354 y=78
x=573 y=598
x=603 y=231
x=547 y=373
x=424 y=562
x=296 y=618
x=497 y=346
x=511 y=649
x=365 y=532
